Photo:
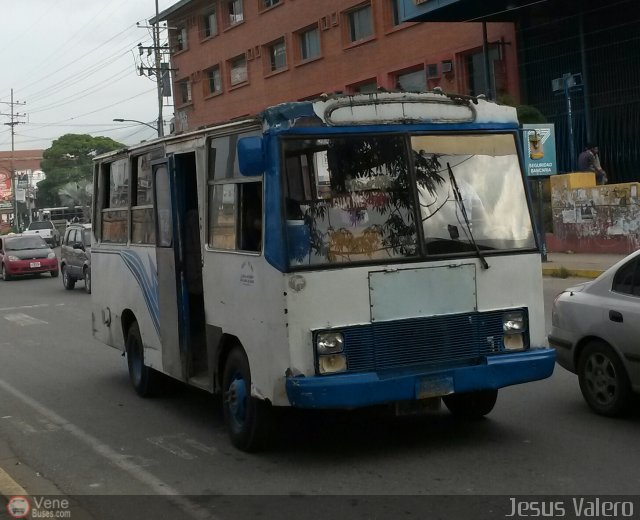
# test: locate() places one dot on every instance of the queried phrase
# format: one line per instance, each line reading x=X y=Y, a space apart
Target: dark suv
x=75 y=256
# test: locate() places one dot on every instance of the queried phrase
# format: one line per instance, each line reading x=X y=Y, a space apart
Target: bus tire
x=471 y=405
x=143 y=378
x=248 y=420
x=68 y=282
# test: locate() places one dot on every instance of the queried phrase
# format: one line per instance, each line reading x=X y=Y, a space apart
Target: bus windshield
x=358 y=198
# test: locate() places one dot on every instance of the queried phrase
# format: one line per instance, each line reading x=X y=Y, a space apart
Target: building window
x=414 y=81
x=277 y=55
x=395 y=12
x=266 y=4
x=184 y=88
x=214 y=81
x=238 y=70
x=360 y=23
x=309 y=43
x=476 y=82
x=366 y=87
x=210 y=24
x=181 y=39
x=235 y=12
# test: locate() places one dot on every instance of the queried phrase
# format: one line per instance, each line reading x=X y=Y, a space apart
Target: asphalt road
x=67 y=412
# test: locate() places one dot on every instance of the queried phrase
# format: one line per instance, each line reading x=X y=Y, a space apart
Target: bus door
x=170 y=293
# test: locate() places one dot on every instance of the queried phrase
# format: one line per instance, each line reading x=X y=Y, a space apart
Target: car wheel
x=471 y=405
x=5 y=276
x=68 y=282
x=248 y=419
x=55 y=273
x=603 y=380
x=87 y=280
x=144 y=379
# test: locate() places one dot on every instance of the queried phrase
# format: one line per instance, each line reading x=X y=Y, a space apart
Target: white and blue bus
x=340 y=253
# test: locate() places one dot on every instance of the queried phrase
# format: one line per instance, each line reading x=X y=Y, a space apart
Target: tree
x=70 y=160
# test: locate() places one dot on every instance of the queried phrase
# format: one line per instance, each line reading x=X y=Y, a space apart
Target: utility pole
x=159 y=78
x=12 y=123
x=157 y=69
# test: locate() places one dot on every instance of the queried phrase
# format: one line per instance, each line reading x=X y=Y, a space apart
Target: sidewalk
x=583 y=265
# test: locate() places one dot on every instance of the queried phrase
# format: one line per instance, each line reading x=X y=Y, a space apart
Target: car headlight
x=514 y=327
x=12 y=258
x=51 y=255
x=330 y=347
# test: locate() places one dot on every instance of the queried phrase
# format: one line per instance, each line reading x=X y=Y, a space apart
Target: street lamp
x=120 y=120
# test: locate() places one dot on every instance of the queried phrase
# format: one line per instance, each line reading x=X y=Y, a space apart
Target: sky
x=74 y=65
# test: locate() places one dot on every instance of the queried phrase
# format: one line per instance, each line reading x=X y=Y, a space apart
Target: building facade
x=231 y=58
x=25 y=165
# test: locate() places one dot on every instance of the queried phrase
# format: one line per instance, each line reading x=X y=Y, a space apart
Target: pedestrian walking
x=589 y=160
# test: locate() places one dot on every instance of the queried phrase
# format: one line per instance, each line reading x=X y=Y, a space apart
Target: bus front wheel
x=471 y=405
x=143 y=378
x=248 y=419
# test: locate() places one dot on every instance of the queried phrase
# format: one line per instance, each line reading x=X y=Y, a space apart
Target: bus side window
x=251 y=218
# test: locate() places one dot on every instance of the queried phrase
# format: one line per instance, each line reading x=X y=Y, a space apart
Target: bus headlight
x=514 y=326
x=332 y=363
x=330 y=347
x=329 y=343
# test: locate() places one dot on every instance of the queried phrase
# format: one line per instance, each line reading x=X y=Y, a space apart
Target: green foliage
x=530 y=115
x=527 y=114
x=69 y=160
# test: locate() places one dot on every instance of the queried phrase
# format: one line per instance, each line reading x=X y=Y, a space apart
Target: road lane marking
x=163 y=442
x=169 y=443
x=37 y=306
x=9 y=487
x=24 y=320
x=119 y=460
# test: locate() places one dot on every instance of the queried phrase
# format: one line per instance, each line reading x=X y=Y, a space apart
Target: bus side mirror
x=250 y=157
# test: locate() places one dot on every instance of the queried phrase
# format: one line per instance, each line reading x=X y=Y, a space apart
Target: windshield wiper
x=458 y=197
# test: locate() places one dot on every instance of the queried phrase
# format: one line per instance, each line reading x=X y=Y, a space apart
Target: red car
x=26 y=254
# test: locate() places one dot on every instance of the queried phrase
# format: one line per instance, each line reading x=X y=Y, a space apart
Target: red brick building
x=236 y=57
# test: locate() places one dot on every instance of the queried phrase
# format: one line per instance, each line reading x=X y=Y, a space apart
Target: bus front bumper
x=371 y=388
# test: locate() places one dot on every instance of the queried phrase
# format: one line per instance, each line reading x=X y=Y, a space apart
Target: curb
x=566 y=272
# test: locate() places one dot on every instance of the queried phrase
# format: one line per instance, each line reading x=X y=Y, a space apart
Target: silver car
x=596 y=334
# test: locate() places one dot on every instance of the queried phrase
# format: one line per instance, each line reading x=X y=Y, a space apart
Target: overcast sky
x=74 y=64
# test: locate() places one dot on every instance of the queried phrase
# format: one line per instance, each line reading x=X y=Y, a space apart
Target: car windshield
x=45 y=224
x=358 y=198
x=25 y=242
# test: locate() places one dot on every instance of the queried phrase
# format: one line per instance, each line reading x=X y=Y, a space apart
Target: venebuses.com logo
x=38 y=507
x=19 y=507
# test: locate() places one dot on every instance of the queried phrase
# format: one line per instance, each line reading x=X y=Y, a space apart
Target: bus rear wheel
x=143 y=378
x=471 y=405
x=248 y=420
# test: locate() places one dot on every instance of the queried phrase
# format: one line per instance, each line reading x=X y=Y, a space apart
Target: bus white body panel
x=127 y=282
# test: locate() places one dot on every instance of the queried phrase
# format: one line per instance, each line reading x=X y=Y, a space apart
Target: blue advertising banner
x=539 y=150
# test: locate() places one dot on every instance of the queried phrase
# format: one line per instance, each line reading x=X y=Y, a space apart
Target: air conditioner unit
x=447 y=66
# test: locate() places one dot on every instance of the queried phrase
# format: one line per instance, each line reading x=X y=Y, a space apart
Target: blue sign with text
x=539 y=150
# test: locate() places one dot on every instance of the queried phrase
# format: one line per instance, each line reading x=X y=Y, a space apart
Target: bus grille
x=437 y=340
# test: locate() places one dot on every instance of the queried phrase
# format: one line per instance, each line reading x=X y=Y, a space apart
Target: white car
x=596 y=334
x=46 y=229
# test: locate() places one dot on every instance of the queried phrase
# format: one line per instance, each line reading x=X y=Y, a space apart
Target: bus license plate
x=434 y=387
x=34 y=264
